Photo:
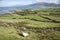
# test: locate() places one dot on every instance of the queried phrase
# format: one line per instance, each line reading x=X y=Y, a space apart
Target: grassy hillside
x=41 y=24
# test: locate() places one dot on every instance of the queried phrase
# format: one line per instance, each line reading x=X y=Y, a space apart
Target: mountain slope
x=39 y=5
x=43 y=4
x=35 y=5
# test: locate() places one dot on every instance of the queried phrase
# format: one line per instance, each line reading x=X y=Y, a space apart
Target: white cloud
x=11 y=3
x=5 y=3
x=39 y=0
x=50 y=1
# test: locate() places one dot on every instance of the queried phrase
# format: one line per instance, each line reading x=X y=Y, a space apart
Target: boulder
x=25 y=34
x=23 y=28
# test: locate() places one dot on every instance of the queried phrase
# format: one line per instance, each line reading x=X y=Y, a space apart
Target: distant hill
x=45 y=5
x=35 y=5
x=40 y=5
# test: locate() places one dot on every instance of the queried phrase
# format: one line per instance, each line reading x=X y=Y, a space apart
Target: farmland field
x=41 y=24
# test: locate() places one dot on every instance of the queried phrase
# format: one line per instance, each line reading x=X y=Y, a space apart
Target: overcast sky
x=6 y=3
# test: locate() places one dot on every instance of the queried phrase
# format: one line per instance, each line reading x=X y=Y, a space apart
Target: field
x=41 y=24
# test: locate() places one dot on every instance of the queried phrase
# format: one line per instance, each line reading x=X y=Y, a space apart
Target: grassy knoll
x=57 y=18
x=41 y=24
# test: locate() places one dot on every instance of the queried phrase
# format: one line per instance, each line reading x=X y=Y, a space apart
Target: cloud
x=12 y=3
x=49 y=1
x=6 y=3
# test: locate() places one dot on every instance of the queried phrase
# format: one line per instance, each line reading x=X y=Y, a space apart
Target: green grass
x=7 y=30
x=32 y=21
x=57 y=18
x=23 y=17
x=6 y=37
x=43 y=24
x=9 y=33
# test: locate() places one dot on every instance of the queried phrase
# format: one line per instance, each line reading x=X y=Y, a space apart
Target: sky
x=8 y=3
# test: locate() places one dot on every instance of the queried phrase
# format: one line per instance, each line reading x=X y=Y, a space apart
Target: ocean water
x=5 y=9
